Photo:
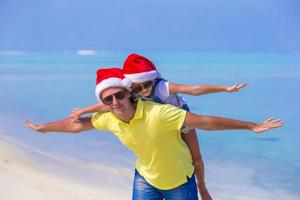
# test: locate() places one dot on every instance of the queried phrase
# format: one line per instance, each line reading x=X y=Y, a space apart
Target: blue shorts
x=142 y=190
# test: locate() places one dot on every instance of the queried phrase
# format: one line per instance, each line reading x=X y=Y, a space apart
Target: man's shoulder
x=154 y=106
x=102 y=116
x=151 y=104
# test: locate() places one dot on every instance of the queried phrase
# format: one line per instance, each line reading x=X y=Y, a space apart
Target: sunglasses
x=141 y=86
x=118 y=95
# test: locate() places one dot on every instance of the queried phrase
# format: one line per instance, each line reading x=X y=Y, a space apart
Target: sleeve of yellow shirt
x=172 y=117
x=99 y=121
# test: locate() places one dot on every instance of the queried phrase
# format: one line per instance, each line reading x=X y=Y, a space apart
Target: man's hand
x=267 y=125
x=235 y=88
x=35 y=127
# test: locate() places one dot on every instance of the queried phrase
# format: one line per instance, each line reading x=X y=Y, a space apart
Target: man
x=152 y=131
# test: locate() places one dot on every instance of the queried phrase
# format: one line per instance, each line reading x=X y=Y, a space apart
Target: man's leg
x=186 y=191
x=142 y=190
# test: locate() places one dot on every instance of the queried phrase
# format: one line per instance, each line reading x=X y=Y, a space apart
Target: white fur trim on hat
x=112 y=82
x=143 y=76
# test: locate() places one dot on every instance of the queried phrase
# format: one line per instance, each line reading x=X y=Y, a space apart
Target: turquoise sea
x=45 y=87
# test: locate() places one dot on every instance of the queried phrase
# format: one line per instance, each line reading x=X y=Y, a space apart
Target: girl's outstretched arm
x=203 y=89
x=78 y=112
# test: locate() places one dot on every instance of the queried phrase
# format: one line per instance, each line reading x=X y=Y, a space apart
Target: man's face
x=117 y=99
x=143 y=89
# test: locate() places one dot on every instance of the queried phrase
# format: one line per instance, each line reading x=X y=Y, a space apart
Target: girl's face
x=142 y=89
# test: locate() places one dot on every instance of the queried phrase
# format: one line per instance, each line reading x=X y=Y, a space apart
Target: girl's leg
x=142 y=190
x=191 y=140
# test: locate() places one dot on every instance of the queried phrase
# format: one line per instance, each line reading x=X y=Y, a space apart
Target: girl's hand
x=235 y=88
x=75 y=114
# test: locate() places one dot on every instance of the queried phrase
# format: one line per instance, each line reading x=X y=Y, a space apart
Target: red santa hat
x=110 y=77
x=139 y=69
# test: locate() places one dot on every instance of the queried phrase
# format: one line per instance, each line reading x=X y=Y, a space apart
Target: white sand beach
x=21 y=180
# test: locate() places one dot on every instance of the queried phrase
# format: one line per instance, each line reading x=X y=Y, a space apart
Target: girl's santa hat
x=110 y=77
x=139 y=69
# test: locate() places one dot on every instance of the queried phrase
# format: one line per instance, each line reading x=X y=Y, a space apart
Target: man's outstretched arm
x=67 y=125
x=220 y=123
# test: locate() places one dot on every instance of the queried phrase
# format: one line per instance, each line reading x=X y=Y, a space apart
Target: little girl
x=148 y=84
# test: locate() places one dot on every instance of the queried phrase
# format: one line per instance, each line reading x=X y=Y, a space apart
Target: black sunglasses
x=142 y=86
x=118 y=95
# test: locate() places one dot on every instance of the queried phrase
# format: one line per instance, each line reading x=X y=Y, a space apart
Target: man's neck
x=126 y=117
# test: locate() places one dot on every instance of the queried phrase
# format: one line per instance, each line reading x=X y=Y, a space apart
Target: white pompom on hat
x=139 y=69
x=110 y=77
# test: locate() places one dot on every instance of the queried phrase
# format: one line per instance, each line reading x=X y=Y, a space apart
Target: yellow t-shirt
x=153 y=134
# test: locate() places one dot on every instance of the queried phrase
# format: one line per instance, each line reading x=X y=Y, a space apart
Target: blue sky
x=169 y=25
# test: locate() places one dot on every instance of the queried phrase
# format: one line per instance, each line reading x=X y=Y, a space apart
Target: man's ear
x=133 y=97
x=129 y=94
